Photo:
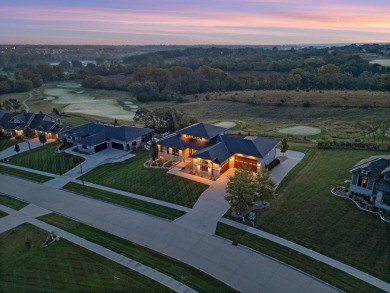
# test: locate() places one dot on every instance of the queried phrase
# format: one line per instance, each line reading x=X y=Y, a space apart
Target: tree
x=240 y=190
x=284 y=146
x=153 y=150
x=7 y=105
x=264 y=186
x=17 y=148
x=42 y=138
x=15 y=104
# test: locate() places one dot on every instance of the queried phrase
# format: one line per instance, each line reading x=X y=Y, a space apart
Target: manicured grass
x=307 y=264
x=130 y=175
x=45 y=159
x=182 y=272
x=24 y=174
x=12 y=203
x=136 y=204
x=3 y=214
x=307 y=213
x=62 y=267
x=6 y=143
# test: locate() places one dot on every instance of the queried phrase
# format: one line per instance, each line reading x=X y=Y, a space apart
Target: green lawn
x=307 y=264
x=307 y=213
x=24 y=174
x=62 y=267
x=6 y=143
x=130 y=175
x=136 y=204
x=45 y=159
x=11 y=202
x=186 y=274
x=3 y=214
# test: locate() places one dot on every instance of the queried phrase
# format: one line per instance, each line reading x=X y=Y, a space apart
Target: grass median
x=132 y=203
x=298 y=260
x=62 y=266
x=24 y=174
x=177 y=270
x=12 y=203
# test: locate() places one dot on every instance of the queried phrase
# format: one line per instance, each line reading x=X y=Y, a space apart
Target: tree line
x=167 y=75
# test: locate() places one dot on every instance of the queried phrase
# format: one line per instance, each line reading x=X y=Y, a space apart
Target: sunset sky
x=184 y=22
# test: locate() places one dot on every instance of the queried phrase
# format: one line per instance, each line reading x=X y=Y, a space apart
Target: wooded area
x=167 y=75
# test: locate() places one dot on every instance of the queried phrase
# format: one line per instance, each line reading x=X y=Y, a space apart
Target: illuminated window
x=175 y=152
x=204 y=165
x=362 y=181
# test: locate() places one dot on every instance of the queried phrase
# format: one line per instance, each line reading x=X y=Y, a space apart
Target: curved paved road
x=241 y=268
x=26 y=107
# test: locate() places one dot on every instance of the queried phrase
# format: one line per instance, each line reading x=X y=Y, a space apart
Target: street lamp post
x=82 y=175
x=81 y=169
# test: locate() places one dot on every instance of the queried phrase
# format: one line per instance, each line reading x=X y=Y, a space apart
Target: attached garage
x=224 y=167
x=116 y=145
x=100 y=147
x=242 y=162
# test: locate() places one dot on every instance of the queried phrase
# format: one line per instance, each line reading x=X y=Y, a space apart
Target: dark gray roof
x=386 y=170
x=204 y=130
x=373 y=165
x=218 y=153
x=59 y=128
x=14 y=120
x=180 y=142
x=222 y=147
x=257 y=146
x=93 y=139
x=122 y=133
x=384 y=185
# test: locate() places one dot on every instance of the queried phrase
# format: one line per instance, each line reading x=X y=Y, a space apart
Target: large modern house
x=371 y=178
x=18 y=123
x=212 y=152
x=94 y=137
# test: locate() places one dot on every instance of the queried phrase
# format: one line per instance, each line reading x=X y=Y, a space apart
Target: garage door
x=116 y=145
x=100 y=147
x=241 y=162
x=224 y=166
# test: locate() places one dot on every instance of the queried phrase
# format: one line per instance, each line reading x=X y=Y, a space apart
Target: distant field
x=268 y=119
x=363 y=99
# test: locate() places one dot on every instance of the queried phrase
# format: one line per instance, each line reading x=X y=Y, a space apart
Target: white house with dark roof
x=371 y=178
x=95 y=137
x=212 y=152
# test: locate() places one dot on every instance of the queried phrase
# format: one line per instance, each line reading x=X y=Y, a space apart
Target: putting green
x=300 y=130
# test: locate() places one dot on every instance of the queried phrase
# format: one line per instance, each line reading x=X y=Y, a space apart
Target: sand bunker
x=226 y=124
x=86 y=104
x=300 y=130
x=49 y=98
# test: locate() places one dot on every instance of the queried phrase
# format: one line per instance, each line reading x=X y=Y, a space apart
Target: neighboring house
x=371 y=178
x=17 y=123
x=212 y=152
x=95 y=137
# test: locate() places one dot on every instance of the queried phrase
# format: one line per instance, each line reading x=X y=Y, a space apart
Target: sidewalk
x=30 y=212
x=237 y=266
x=313 y=254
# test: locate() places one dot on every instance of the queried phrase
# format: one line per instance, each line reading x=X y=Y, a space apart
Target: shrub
x=306 y=104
